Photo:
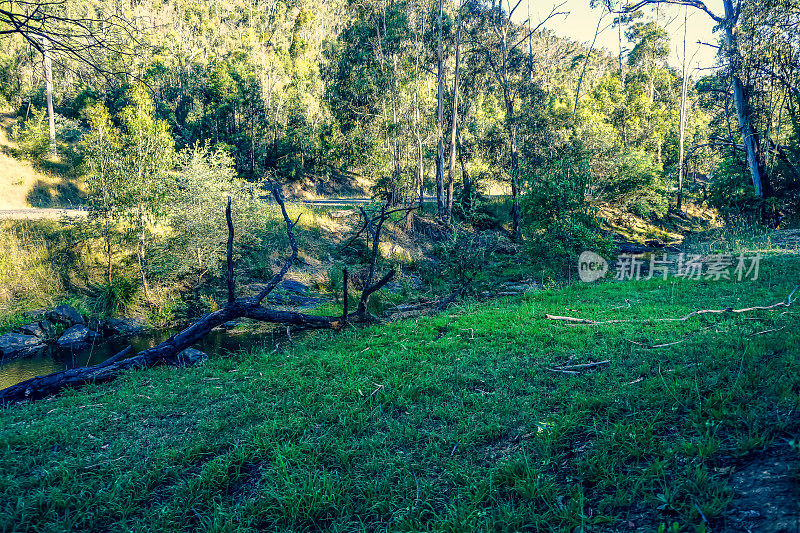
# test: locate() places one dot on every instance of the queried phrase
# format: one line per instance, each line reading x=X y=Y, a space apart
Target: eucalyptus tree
x=505 y=57
x=730 y=23
x=129 y=158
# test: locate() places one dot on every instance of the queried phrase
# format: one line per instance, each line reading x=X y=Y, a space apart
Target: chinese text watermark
x=592 y=266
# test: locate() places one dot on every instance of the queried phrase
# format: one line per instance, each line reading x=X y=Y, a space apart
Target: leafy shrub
x=33 y=135
x=119 y=293
x=635 y=181
x=469 y=259
x=558 y=223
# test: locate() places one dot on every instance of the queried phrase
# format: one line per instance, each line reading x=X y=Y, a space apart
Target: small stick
x=558 y=371
x=767 y=331
x=686 y=338
x=574 y=320
x=584 y=365
x=416 y=481
x=345 y=295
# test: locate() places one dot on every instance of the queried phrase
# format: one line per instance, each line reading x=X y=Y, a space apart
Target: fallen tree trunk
x=169 y=352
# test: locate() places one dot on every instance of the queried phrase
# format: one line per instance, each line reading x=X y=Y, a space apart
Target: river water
x=54 y=359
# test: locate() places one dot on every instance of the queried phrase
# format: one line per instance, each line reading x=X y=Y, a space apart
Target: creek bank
x=62 y=327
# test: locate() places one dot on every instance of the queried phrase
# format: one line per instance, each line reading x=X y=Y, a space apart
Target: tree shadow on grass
x=62 y=194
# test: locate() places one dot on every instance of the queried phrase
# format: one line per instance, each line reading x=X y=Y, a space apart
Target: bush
x=469 y=259
x=33 y=135
x=636 y=183
x=558 y=223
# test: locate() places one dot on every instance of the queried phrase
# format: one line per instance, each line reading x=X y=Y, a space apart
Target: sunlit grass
x=447 y=423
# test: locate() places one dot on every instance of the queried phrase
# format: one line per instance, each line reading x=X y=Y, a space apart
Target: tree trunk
x=140 y=253
x=48 y=76
x=515 y=211
x=453 y=126
x=682 y=126
x=107 y=238
x=740 y=101
x=585 y=64
x=440 y=121
x=420 y=172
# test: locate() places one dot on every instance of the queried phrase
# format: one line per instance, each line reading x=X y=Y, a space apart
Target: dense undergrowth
x=46 y=262
x=445 y=423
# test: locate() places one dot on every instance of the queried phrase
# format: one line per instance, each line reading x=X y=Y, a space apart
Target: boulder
x=36 y=314
x=65 y=314
x=190 y=356
x=294 y=286
x=655 y=243
x=77 y=334
x=19 y=344
x=416 y=283
x=394 y=287
x=48 y=328
x=230 y=324
x=94 y=323
x=124 y=326
x=33 y=329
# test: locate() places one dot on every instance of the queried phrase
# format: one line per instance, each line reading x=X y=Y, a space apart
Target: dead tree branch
x=574 y=320
x=231 y=288
x=170 y=351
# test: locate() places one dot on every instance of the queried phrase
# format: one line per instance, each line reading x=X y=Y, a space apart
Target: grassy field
x=447 y=423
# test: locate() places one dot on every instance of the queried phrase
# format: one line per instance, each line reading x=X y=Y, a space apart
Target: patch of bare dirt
x=767 y=493
x=340 y=185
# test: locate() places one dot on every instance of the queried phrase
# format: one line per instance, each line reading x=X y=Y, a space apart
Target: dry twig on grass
x=573 y=320
x=686 y=338
x=576 y=369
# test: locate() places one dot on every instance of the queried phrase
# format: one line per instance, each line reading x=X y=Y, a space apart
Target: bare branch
x=630 y=8
x=292 y=241
x=231 y=288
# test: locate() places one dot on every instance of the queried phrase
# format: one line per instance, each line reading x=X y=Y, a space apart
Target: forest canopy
x=450 y=99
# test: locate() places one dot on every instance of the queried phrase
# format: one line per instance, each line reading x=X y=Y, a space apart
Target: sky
x=581 y=23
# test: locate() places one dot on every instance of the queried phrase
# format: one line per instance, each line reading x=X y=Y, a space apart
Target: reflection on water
x=53 y=359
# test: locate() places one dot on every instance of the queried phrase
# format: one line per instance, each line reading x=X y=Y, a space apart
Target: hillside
x=25 y=184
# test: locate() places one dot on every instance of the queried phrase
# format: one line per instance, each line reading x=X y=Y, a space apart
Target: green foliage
x=33 y=134
x=558 y=221
x=731 y=189
x=116 y=296
x=636 y=182
x=197 y=198
x=468 y=259
x=102 y=151
x=11 y=78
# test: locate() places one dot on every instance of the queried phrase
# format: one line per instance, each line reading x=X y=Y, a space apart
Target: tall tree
x=440 y=74
x=730 y=50
x=454 y=119
x=507 y=38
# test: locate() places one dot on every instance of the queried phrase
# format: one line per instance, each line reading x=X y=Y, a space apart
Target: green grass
x=445 y=423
